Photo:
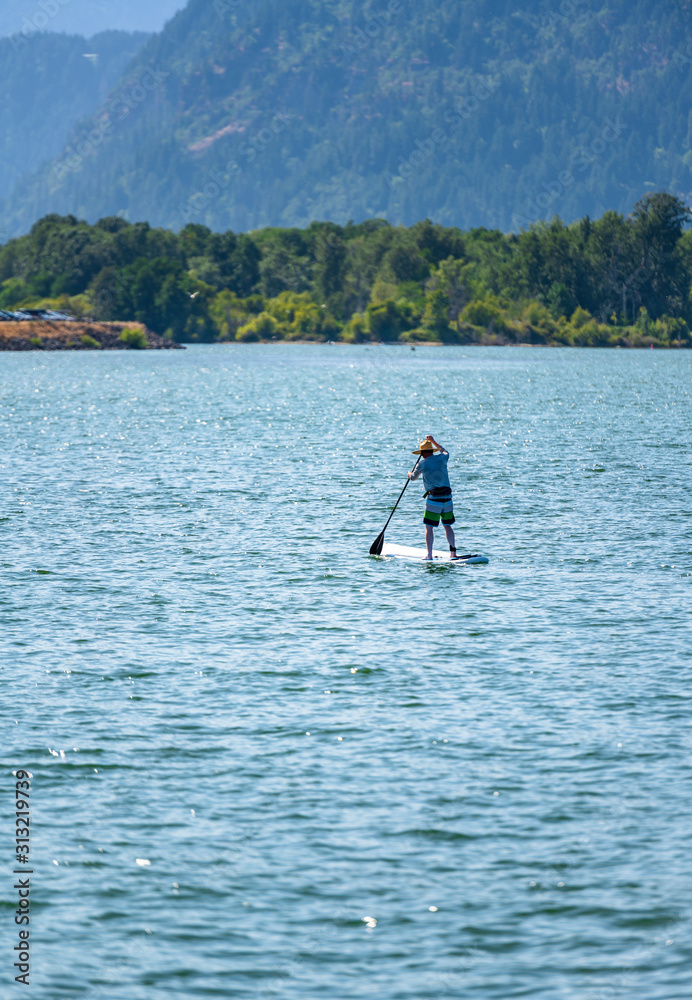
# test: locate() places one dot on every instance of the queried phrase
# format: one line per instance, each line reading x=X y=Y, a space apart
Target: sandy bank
x=39 y=335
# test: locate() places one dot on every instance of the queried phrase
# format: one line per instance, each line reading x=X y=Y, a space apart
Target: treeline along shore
x=613 y=282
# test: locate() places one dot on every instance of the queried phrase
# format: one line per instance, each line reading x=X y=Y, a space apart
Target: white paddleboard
x=409 y=552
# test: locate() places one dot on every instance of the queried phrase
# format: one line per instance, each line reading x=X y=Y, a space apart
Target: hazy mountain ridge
x=84 y=17
x=269 y=113
x=45 y=85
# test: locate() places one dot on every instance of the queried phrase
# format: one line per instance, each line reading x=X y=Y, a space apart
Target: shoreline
x=49 y=336
x=676 y=346
x=80 y=335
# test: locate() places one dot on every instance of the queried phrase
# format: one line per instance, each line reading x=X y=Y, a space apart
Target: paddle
x=376 y=547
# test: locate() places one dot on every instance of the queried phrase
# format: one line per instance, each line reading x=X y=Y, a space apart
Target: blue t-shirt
x=434 y=471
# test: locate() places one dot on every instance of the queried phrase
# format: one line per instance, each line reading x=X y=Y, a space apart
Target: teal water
x=203 y=669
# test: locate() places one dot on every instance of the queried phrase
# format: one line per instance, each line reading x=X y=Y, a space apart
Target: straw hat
x=425 y=445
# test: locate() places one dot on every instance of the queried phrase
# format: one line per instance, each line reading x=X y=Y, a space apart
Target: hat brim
x=424 y=451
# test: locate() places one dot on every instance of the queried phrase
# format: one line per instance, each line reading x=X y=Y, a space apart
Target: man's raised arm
x=439 y=447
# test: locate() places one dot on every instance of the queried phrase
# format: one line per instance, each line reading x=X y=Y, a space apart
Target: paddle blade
x=376 y=547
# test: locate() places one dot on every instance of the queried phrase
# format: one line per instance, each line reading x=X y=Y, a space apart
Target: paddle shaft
x=400 y=496
x=377 y=544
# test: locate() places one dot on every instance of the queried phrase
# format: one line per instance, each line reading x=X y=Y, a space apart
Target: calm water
x=203 y=669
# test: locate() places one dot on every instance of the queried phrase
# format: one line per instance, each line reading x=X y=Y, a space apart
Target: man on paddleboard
x=438 y=492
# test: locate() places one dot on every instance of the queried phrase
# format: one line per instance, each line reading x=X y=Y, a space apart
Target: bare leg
x=450 y=538
x=429 y=540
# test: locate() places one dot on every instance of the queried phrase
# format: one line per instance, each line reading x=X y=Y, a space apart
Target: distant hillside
x=47 y=84
x=85 y=17
x=278 y=112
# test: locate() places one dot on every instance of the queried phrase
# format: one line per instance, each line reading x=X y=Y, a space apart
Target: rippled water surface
x=352 y=777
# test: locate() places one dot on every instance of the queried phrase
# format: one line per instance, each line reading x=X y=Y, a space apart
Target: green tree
x=330 y=257
x=228 y=313
x=453 y=279
x=262 y=327
x=387 y=320
x=658 y=224
x=436 y=316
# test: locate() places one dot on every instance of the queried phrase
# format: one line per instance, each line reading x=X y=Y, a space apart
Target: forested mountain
x=614 y=281
x=278 y=112
x=46 y=84
x=84 y=17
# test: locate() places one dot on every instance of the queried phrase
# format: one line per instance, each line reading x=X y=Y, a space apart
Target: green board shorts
x=436 y=509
